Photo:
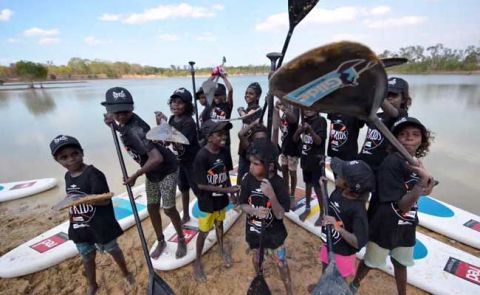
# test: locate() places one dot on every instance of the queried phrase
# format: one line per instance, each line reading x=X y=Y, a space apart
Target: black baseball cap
x=221 y=90
x=407 y=121
x=61 y=141
x=397 y=85
x=357 y=173
x=198 y=93
x=183 y=94
x=118 y=99
x=211 y=126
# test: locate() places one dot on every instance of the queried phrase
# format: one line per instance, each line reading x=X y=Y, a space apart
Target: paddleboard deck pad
x=53 y=246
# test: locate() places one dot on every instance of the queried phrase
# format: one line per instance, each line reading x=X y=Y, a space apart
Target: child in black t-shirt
x=247 y=135
x=252 y=97
x=394 y=107
x=347 y=214
x=312 y=135
x=213 y=181
x=264 y=198
x=92 y=226
x=343 y=139
x=290 y=153
x=393 y=224
x=181 y=119
x=157 y=163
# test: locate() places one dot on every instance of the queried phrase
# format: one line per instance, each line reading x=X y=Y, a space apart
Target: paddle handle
x=132 y=201
x=192 y=71
x=323 y=188
x=393 y=140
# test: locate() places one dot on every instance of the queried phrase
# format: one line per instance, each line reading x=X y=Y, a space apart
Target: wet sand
x=23 y=219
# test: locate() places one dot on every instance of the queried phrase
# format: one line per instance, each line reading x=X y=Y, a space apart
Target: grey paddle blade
x=342 y=77
x=209 y=88
x=258 y=286
x=157 y=286
x=393 y=61
x=165 y=132
x=298 y=9
x=331 y=282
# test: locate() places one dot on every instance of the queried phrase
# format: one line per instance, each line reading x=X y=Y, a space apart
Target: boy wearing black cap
x=92 y=226
x=343 y=139
x=393 y=224
x=347 y=213
x=264 y=198
x=213 y=180
x=157 y=163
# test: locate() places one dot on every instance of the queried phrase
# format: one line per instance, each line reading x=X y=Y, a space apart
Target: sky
x=164 y=33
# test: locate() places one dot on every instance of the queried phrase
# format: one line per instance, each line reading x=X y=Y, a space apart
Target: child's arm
x=260 y=212
x=349 y=237
x=316 y=138
x=229 y=89
x=154 y=160
x=268 y=191
x=389 y=109
x=424 y=186
x=296 y=135
x=219 y=189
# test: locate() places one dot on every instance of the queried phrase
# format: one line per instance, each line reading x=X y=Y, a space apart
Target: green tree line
x=437 y=58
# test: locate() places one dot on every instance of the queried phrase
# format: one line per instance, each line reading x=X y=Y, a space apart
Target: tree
x=31 y=71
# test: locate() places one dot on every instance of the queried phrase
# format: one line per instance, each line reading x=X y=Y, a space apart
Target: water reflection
x=38 y=101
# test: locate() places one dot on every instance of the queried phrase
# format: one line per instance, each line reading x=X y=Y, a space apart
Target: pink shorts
x=345 y=264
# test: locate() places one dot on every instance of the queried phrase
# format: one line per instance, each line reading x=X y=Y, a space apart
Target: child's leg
x=153 y=207
x=292 y=170
x=308 y=196
x=281 y=260
x=117 y=254
x=184 y=188
x=227 y=259
x=197 y=265
x=255 y=259
x=318 y=192
x=88 y=253
x=400 y=272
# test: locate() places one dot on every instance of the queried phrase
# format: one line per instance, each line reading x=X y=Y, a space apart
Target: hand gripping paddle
x=343 y=77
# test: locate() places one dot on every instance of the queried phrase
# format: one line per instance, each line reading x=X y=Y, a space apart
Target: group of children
x=203 y=166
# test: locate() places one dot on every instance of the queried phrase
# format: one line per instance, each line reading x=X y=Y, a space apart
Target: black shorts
x=312 y=177
x=185 y=178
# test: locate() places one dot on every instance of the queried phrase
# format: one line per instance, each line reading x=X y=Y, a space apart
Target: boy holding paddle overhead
x=264 y=198
x=92 y=226
x=157 y=163
x=213 y=181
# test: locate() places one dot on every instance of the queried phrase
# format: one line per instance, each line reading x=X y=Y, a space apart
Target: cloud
x=168 y=37
x=207 y=36
x=110 y=17
x=37 y=32
x=5 y=15
x=380 y=10
x=316 y=16
x=92 y=41
x=395 y=22
x=348 y=36
x=13 y=40
x=164 y=12
x=48 y=41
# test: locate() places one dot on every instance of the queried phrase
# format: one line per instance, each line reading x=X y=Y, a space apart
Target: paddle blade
x=258 y=286
x=298 y=9
x=166 y=132
x=209 y=88
x=393 y=61
x=157 y=286
x=343 y=77
x=331 y=283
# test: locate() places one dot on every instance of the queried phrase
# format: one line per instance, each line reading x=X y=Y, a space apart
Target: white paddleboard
x=53 y=246
x=168 y=261
x=439 y=268
x=446 y=219
x=20 y=189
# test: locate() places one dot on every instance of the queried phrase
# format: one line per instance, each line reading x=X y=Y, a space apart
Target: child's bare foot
x=198 y=272
x=181 y=248
x=130 y=278
x=304 y=215
x=227 y=259
x=185 y=219
x=92 y=289
x=159 y=249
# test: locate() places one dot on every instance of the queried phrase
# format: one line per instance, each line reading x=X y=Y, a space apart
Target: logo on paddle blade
x=345 y=75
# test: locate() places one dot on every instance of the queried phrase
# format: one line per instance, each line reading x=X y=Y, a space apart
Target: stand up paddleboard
x=20 y=189
x=53 y=246
x=439 y=268
x=168 y=261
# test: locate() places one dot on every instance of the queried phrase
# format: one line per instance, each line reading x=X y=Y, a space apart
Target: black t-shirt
x=389 y=227
x=91 y=223
x=211 y=169
x=243 y=152
x=186 y=125
x=289 y=147
x=374 y=149
x=343 y=138
x=133 y=135
x=311 y=152
x=274 y=233
x=353 y=216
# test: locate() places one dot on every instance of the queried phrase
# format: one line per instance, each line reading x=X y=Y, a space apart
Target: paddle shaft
x=192 y=71
x=323 y=186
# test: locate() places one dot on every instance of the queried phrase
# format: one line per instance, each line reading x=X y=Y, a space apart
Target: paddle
x=297 y=10
x=156 y=285
x=210 y=85
x=343 y=77
x=393 y=61
x=273 y=57
x=331 y=282
x=192 y=71
x=259 y=286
